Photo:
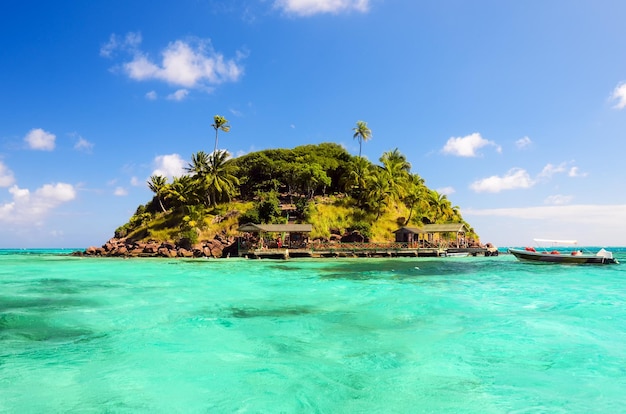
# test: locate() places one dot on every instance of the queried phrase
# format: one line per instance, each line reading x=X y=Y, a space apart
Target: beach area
x=445 y=335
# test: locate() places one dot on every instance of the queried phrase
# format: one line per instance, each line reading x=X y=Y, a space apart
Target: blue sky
x=515 y=110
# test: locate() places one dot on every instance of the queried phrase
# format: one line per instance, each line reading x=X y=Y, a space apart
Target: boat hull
x=561 y=258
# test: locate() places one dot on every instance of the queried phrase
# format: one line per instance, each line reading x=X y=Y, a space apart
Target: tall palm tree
x=219 y=123
x=157 y=185
x=362 y=133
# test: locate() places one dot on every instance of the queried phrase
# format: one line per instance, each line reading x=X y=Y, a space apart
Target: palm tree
x=357 y=179
x=379 y=191
x=221 y=181
x=182 y=192
x=200 y=169
x=362 y=133
x=414 y=195
x=157 y=184
x=219 y=123
x=396 y=168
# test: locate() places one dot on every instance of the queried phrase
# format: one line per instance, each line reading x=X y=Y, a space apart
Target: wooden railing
x=346 y=246
x=359 y=246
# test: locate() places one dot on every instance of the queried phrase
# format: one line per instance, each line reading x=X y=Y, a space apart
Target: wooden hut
x=274 y=236
x=433 y=235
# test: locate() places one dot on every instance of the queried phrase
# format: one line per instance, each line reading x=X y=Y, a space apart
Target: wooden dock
x=360 y=250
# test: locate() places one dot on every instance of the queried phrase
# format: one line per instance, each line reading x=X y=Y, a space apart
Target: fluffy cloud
x=32 y=207
x=619 y=95
x=120 y=192
x=550 y=170
x=523 y=142
x=83 y=145
x=575 y=172
x=190 y=64
x=6 y=176
x=311 y=7
x=38 y=139
x=152 y=96
x=171 y=165
x=519 y=178
x=514 y=179
x=179 y=95
x=468 y=145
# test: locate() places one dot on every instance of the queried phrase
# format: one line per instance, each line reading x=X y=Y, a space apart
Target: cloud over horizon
x=29 y=207
x=515 y=178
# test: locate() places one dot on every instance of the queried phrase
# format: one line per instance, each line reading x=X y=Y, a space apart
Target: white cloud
x=179 y=95
x=468 y=145
x=190 y=64
x=519 y=178
x=120 y=191
x=38 y=139
x=523 y=142
x=129 y=43
x=6 y=176
x=169 y=166
x=576 y=213
x=83 y=145
x=619 y=95
x=591 y=225
x=514 y=179
x=152 y=96
x=134 y=181
x=446 y=190
x=311 y=7
x=549 y=170
x=574 y=172
x=558 y=199
x=27 y=207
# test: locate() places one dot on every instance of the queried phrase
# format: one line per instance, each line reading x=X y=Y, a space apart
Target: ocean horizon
x=394 y=335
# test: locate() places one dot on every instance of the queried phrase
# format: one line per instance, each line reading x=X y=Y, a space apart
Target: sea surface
x=410 y=335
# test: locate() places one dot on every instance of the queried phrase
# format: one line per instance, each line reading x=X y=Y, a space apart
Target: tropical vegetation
x=321 y=184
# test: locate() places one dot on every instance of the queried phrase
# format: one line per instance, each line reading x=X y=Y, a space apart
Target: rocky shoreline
x=219 y=247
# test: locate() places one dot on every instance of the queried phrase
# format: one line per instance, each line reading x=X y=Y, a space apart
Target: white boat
x=556 y=253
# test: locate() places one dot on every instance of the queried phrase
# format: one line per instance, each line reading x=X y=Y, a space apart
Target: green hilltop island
x=309 y=201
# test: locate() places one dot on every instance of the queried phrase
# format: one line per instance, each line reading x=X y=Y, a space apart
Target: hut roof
x=435 y=228
x=277 y=228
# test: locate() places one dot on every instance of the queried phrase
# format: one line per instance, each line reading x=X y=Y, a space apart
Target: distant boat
x=558 y=254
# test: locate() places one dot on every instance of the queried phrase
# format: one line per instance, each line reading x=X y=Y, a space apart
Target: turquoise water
x=449 y=335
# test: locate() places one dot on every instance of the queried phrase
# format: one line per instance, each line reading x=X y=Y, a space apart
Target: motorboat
x=557 y=253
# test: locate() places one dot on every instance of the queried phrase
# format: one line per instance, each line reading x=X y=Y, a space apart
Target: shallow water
x=458 y=335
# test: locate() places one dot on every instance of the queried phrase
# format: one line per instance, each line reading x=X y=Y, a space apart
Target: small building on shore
x=288 y=236
x=292 y=240
x=433 y=235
